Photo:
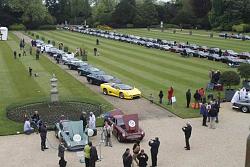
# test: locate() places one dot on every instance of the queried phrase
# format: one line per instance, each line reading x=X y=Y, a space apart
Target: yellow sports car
x=120 y=90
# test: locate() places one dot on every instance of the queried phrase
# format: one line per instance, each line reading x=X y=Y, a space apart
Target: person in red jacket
x=170 y=95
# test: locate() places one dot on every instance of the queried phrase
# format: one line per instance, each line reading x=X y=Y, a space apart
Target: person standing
x=170 y=95
x=143 y=159
x=93 y=156
x=161 y=96
x=30 y=71
x=61 y=150
x=95 y=51
x=43 y=135
x=154 y=144
x=92 y=121
x=87 y=153
x=37 y=53
x=204 y=113
x=187 y=131
x=136 y=150
x=197 y=99
x=127 y=158
x=31 y=50
x=97 y=41
x=15 y=54
x=213 y=115
x=107 y=133
x=217 y=109
x=84 y=120
x=188 y=97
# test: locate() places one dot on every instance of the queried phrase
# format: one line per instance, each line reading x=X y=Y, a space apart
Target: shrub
x=244 y=71
x=32 y=34
x=171 y=26
x=18 y=27
x=53 y=43
x=47 y=27
x=241 y=28
x=42 y=38
x=230 y=78
x=37 y=36
x=65 y=49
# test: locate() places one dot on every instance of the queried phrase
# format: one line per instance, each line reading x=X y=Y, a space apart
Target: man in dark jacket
x=143 y=158
x=127 y=158
x=43 y=135
x=213 y=114
x=154 y=144
x=93 y=156
x=83 y=119
x=188 y=97
x=204 y=113
x=197 y=98
x=61 y=150
x=161 y=96
x=187 y=131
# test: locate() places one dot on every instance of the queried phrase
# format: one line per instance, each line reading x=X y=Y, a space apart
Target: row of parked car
x=230 y=57
x=109 y=84
x=235 y=36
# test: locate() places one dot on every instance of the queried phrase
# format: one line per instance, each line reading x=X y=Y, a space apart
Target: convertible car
x=71 y=132
x=125 y=127
x=120 y=90
x=98 y=79
x=243 y=106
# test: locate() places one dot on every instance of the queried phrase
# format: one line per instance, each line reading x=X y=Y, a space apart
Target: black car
x=74 y=65
x=243 y=106
x=89 y=70
x=98 y=79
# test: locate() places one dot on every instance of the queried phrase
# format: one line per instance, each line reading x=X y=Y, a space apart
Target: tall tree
x=201 y=7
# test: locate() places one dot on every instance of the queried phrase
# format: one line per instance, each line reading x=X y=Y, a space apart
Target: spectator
x=170 y=95
x=143 y=158
x=213 y=115
x=95 y=51
x=93 y=156
x=30 y=50
x=154 y=144
x=202 y=93
x=61 y=150
x=84 y=120
x=127 y=158
x=43 y=135
x=197 y=99
x=161 y=96
x=30 y=71
x=36 y=120
x=136 y=150
x=187 y=131
x=27 y=129
x=92 y=121
x=204 y=113
x=151 y=98
x=208 y=110
x=107 y=133
x=188 y=97
x=97 y=41
x=87 y=153
x=15 y=54
x=217 y=110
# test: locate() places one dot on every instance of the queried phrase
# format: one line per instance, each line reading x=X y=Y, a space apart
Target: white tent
x=3 y=33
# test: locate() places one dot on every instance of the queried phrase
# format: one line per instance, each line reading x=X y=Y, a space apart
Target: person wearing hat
x=187 y=131
x=154 y=144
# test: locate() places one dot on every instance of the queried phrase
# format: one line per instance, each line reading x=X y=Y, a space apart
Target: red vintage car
x=125 y=127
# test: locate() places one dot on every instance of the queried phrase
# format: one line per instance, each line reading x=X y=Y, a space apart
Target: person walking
x=61 y=150
x=136 y=150
x=43 y=135
x=97 y=41
x=170 y=95
x=154 y=144
x=188 y=97
x=204 y=113
x=187 y=131
x=161 y=96
x=127 y=158
x=30 y=71
x=143 y=158
x=95 y=51
x=107 y=133
x=93 y=156
x=87 y=153
x=14 y=54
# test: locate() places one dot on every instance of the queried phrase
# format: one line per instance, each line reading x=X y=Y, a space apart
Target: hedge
x=17 y=27
x=241 y=28
x=47 y=27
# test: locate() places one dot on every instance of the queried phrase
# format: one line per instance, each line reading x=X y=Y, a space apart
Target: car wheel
x=91 y=81
x=119 y=138
x=244 y=109
x=105 y=92
x=121 y=95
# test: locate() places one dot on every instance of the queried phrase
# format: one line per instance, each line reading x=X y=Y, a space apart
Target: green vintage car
x=72 y=134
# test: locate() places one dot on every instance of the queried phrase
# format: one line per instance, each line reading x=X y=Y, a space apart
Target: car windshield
x=120 y=122
x=124 y=87
x=107 y=77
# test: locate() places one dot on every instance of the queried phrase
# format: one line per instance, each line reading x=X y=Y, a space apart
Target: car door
x=114 y=90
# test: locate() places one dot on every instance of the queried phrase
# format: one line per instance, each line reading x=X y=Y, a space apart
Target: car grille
x=134 y=137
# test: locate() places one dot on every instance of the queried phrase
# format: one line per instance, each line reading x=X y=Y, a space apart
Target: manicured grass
x=199 y=37
x=150 y=70
x=16 y=87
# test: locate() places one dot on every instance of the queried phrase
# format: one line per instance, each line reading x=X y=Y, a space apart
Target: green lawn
x=199 y=37
x=16 y=87
x=150 y=70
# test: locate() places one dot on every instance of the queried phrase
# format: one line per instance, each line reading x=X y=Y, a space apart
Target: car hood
x=131 y=123
x=134 y=91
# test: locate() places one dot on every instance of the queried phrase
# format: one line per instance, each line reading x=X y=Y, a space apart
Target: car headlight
x=123 y=135
x=142 y=132
x=68 y=143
